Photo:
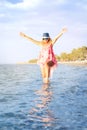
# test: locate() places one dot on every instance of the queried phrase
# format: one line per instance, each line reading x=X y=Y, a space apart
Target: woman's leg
x=47 y=73
x=45 y=70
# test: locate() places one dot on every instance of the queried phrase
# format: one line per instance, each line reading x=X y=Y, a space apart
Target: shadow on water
x=41 y=113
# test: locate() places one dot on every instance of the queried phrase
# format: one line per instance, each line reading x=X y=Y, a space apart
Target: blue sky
x=34 y=17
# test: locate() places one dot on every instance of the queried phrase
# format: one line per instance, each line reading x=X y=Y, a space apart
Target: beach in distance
x=28 y=104
x=83 y=62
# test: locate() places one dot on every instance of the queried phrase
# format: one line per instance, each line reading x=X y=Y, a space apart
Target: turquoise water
x=28 y=104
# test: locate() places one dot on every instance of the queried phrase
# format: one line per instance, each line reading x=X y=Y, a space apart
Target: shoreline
x=82 y=63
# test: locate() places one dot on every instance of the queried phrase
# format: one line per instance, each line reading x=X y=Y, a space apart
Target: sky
x=34 y=17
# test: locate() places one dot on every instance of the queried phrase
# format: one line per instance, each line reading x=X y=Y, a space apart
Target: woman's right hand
x=64 y=30
x=22 y=34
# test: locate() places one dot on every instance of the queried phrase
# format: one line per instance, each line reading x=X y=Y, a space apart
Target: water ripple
x=27 y=104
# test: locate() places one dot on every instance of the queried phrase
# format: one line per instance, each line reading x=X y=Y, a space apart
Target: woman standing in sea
x=47 y=59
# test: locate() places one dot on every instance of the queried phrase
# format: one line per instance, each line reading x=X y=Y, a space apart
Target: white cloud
x=82 y=4
x=2 y=15
x=61 y=1
x=84 y=7
x=22 y=5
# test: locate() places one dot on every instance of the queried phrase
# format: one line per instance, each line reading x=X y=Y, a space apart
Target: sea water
x=28 y=104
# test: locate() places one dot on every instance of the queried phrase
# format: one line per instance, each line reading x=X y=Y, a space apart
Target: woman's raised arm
x=30 y=39
x=59 y=35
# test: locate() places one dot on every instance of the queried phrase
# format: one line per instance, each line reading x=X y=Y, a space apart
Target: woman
x=46 y=60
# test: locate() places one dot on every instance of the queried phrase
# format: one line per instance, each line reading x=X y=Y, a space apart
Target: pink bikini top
x=47 y=53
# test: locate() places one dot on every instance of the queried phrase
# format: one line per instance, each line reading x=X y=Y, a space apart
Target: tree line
x=76 y=54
